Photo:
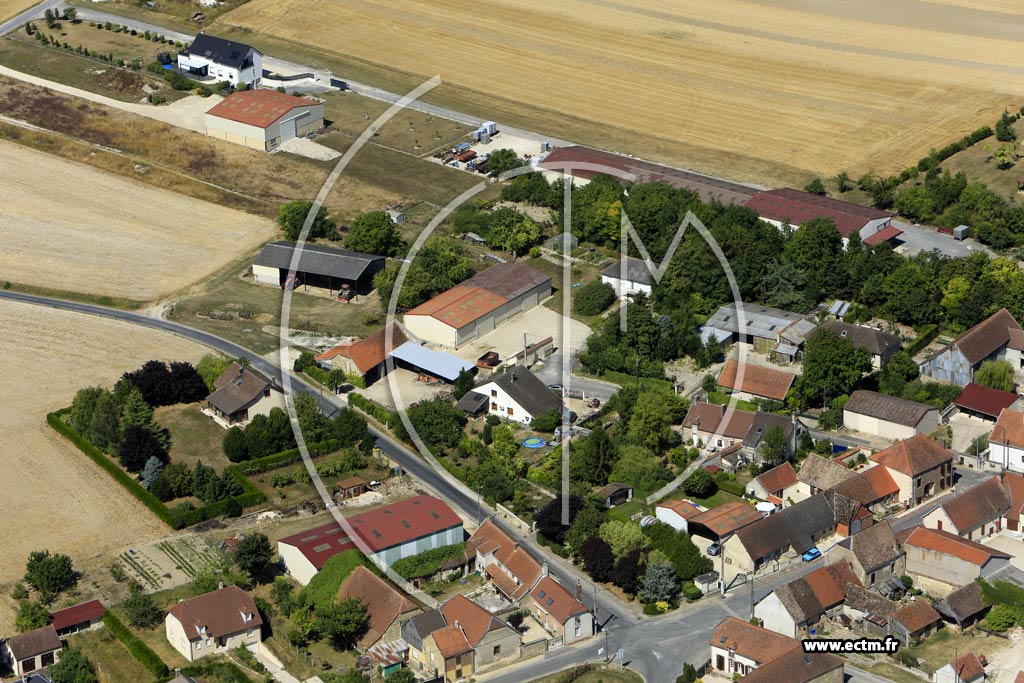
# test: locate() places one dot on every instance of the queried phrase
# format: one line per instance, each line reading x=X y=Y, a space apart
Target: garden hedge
x=138 y=649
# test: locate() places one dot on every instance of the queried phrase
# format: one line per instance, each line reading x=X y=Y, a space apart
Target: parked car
x=714 y=549
x=811 y=555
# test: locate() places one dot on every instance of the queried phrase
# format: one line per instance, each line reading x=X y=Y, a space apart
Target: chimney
x=515 y=546
x=544 y=568
x=220 y=585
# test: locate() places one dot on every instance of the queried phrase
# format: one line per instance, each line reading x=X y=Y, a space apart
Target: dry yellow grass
x=53 y=496
x=813 y=86
x=70 y=227
x=8 y=8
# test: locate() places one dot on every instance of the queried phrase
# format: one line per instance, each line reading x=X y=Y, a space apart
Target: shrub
x=428 y=562
x=593 y=298
x=691 y=592
x=135 y=646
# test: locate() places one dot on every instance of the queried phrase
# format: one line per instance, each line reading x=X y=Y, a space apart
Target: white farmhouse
x=210 y=57
x=213 y=623
x=518 y=395
x=628 y=276
x=1006 y=443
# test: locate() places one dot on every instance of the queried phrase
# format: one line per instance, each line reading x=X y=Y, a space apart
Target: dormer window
x=246 y=617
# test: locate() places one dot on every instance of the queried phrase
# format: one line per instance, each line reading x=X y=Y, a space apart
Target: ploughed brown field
x=755 y=90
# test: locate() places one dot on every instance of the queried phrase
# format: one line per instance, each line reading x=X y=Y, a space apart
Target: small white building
x=518 y=395
x=677 y=513
x=263 y=119
x=210 y=57
x=214 y=623
x=28 y=652
x=634 y=278
x=1006 y=442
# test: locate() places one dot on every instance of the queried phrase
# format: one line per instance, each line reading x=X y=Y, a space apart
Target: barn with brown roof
x=1006 y=442
x=957 y=362
x=263 y=119
x=723 y=520
x=889 y=417
x=873 y=555
x=964 y=606
x=386 y=607
x=786 y=206
x=795 y=607
x=779 y=482
x=911 y=623
x=28 y=652
x=819 y=474
x=757 y=381
x=984 y=402
x=975 y=513
x=948 y=561
x=478 y=305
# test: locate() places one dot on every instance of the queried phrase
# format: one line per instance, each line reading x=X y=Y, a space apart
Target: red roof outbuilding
x=258 y=108
x=797 y=208
x=980 y=399
x=79 y=614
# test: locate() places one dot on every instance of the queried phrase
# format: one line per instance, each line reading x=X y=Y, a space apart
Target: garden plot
x=171 y=562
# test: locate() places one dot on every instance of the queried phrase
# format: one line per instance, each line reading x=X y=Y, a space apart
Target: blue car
x=812 y=555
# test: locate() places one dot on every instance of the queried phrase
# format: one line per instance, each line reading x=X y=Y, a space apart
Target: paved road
x=964 y=478
x=33 y=12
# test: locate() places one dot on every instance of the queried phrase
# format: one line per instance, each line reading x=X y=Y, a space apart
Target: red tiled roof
x=368 y=353
x=1014 y=485
x=951 y=544
x=553 y=598
x=481 y=294
x=796 y=207
x=913 y=456
x=258 y=108
x=473 y=619
x=1009 y=429
x=321 y=544
x=757 y=380
x=79 y=614
x=967 y=667
x=778 y=478
x=403 y=521
x=984 y=400
x=451 y=641
x=222 y=612
x=752 y=642
x=513 y=557
x=883 y=235
x=379 y=529
x=383 y=602
x=917 y=615
x=728 y=517
x=683 y=508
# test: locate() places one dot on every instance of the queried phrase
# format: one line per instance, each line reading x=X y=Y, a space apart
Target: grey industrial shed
x=318 y=266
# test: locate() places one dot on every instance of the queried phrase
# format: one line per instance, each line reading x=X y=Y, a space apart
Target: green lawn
x=581 y=273
x=194 y=436
x=936 y=651
x=626 y=510
x=716 y=499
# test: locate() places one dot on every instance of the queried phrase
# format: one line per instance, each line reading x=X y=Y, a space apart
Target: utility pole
x=607 y=654
x=478 y=489
x=721 y=556
x=750 y=578
x=595 y=605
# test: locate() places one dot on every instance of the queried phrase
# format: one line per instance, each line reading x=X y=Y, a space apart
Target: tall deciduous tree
x=49 y=574
x=995 y=374
x=832 y=366
x=598 y=560
x=254 y=555
x=549 y=518
x=73 y=667
x=342 y=623
x=292 y=215
x=375 y=233
x=141 y=609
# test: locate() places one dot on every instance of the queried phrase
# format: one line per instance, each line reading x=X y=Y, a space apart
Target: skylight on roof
x=376 y=533
x=406 y=524
x=433 y=513
x=322 y=547
x=550 y=601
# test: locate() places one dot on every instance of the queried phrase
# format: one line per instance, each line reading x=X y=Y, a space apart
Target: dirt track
x=69 y=227
x=53 y=496
x=779 y=82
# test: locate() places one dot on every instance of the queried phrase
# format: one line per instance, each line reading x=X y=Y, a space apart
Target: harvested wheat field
x=70 y=227
x=816 y=87
x=53 y=496
x=8 y=8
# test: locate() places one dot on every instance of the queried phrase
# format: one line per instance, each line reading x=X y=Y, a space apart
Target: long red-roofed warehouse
x=392 y=532
x=263 y=119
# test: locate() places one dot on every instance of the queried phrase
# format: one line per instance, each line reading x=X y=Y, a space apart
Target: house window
x=497 y=650
x=494 y=393
x=510 y=410
x=458 y=660
x=431 y=657
x=494 y=406
x=579 y=627
x=871 y=579
x=199 y=645
x=939 y=525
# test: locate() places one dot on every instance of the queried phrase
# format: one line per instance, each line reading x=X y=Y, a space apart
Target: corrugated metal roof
x=444 y=365
x=318 y=260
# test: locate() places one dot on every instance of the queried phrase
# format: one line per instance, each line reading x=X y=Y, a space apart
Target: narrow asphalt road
x=33 y=12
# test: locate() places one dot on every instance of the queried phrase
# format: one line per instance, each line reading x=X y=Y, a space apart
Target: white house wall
x=296 y=564
x=1006 y=456
x=774 y=616
x=672 y=518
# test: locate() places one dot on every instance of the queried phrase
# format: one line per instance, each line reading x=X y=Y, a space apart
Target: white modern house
x=518 y=396
x=628 y=276
x=213 y=623
x=677 y=513
x=210 y=57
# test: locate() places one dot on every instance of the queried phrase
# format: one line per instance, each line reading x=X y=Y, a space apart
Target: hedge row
x=733 y=487
x=251 y=496
x=138 y=649
x=952 y=148
x=226 y=672
x=925 y=336
x=275 y=460
x=155 y=505
x=375 y=410
x=429 y=562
